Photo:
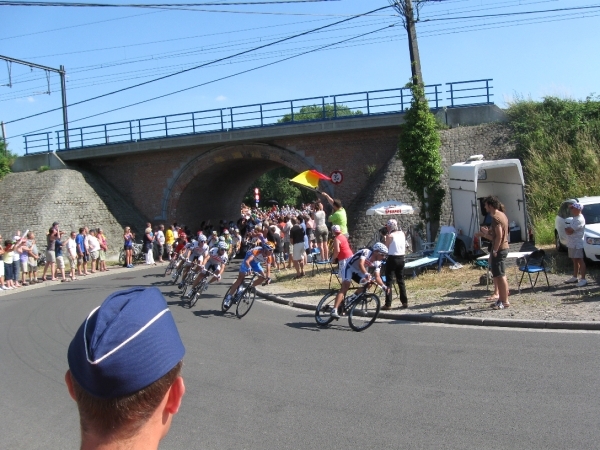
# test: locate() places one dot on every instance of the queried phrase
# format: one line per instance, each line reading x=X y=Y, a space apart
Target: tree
x=315 y=112
x=6 y=159
x=275 y=185
x=419 y=150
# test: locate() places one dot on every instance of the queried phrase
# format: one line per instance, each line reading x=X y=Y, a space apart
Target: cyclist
x=357 y=269
x=198 y=253
x=213 y=240
x=180 y=249
x=251 y=263
x=216 y=262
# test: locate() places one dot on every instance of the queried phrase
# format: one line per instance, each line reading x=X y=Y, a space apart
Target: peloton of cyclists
x=215 y=263
x=198 y=255
x=358 y=269
x=252 y=263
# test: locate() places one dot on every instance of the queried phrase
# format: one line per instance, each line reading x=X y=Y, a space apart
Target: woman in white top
x=321 y=232
x=396 y=244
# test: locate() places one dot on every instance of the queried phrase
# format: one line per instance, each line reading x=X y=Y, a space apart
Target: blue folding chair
x=441 y=252
x=533 y=263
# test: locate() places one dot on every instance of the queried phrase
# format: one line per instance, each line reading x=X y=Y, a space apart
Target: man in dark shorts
x=497 y=233
x=124 y=371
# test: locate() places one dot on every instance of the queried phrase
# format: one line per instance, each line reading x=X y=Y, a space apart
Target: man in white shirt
x=93 y=248
x=160 y=242
x=575 y=234
x=72 y=253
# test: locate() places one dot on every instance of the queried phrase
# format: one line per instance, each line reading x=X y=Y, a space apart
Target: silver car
x=591 y=212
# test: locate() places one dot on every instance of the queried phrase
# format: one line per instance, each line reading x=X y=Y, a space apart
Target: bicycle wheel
x=198 y=292
x=322 y=313
x=122 y=257
x=169 y=269
x=177 y=274
x=245 y=302
x=364 y=312
x=223 y=307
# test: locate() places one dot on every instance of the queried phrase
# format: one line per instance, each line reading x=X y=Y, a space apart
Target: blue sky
x=105 y=49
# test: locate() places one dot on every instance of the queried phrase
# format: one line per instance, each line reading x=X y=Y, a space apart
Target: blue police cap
x=126 y=344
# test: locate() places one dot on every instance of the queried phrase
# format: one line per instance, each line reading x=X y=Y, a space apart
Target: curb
x=451 y=320
x=48 y=283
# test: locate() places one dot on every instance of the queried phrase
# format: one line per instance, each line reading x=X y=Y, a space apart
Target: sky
x=527 y=53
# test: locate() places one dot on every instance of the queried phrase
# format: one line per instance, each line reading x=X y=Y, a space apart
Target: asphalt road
x=273 y=380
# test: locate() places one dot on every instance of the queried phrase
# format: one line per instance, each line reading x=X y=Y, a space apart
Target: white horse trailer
x=474 y=180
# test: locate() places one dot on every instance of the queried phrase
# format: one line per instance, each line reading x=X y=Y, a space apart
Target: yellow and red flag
x=310 y=179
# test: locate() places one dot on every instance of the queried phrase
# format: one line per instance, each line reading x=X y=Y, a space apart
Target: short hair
x=122 y=416
x=81 y=230
x=337 y=203
x=293 y=221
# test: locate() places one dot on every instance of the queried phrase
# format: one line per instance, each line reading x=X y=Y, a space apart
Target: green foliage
x=6 y=159
x=419 y=150
x=558 y=141
x=370 y=170
x=315 y=112
x=43 y=168
x=275 y=185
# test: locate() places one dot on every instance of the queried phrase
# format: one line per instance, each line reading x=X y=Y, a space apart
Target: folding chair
x=443 y=248
x=335 y=270
x=316 y=264
x=533 y=263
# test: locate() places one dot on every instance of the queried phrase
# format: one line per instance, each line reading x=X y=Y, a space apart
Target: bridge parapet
x=314 y=109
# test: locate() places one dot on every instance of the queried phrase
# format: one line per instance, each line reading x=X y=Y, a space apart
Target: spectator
x=128 y=238
x=341 y=249
x=34 y=255
x=395 y=241
x=339 y=216
x=87 y=257
x=60 y=261
x=7 y=257
x=278 y=252
x=2 y=286
x=575 y=234
x=24 y=253
x=160 y=242
x=17 y=250
x=297 y=241
x=310 y=229
x=287 y=227
x=126 y=398
x=103 y=249
x=149 y=245
x=498 y=235
x=72 y=253
x=81 y=253
x=321 y=232
x=170 y=240
x=50 y=254
x=93 y=248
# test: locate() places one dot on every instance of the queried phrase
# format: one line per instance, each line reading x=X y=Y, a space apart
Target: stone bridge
x=198 y=177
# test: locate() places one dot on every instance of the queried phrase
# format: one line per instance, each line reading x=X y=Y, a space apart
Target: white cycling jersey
x=215 y=258
x=364 y=255
x=200 y=250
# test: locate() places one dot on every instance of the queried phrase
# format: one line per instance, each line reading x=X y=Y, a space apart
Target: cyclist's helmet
x=194 y=241
x=221 y=238
x=381 y=248
x=223 y=246
x=268 y=246
x=202 y=238
x=225 y=231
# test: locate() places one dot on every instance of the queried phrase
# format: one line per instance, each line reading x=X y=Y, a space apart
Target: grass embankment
x=558 y=141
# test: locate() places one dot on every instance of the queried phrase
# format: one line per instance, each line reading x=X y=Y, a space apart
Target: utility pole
x=63 y=89
x=407 y=14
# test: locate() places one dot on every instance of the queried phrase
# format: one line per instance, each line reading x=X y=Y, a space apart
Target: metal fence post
x=292 y=108
x=140 y=129
x=451 y=94
x=57 y=140
x=48 y=140
x=436 y=97
x=105 y=135
x=81 y=136
x=194 y=123
x=324 y=110
x=261 y=115
x=368 y=105
x=231 y=116
x=130 y=131
x=402 y=99
x=166 y=127
x=334 y=107
x=222 y=126
x=487 y=89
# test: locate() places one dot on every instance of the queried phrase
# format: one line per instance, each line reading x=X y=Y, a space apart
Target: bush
x=43 y=168
x=6 y=159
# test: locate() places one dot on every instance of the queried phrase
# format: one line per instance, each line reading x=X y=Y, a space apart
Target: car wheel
x=558 y=244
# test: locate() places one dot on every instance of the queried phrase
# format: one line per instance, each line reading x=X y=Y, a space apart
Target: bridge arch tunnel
x=212 y=185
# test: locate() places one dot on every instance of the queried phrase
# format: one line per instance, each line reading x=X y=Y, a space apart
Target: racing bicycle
x=244 y=297
x=362 y=309
x=197 y=291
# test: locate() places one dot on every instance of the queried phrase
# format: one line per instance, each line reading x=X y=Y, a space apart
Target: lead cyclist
x=357 y=269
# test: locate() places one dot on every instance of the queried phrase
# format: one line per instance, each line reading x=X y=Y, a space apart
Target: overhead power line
x=154 y=5
x=217 y=79
x=512 y=14
x=205 y=64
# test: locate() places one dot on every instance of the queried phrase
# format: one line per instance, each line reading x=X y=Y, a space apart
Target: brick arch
x=212 y=185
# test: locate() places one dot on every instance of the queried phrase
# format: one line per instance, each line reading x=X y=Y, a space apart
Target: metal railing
x=341 y=106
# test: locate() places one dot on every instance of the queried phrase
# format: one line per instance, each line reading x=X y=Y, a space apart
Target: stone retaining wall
x=32 y=200
x=490 y=140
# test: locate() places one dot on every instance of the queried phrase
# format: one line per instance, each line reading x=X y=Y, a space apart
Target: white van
x=472 y=181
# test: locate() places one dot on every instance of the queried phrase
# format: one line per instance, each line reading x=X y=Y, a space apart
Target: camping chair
x=441 y=252
x=533 y=263
x=324 y=265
